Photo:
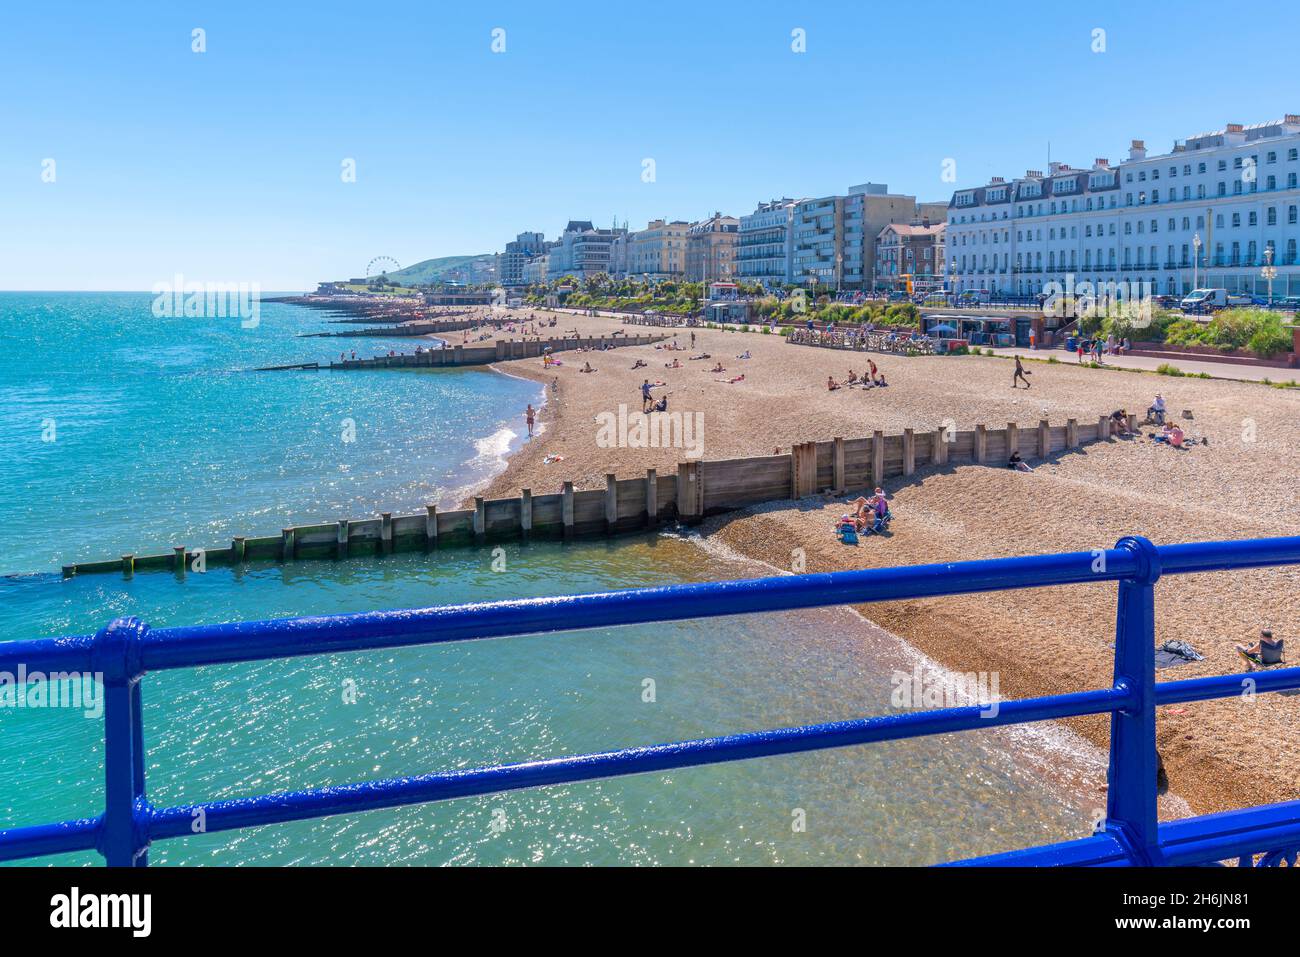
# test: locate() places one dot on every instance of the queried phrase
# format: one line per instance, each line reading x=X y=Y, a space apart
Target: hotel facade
x=711 y=248
x=764 y=244
x=657 y=252
x=834 y=237
x=1210 y=213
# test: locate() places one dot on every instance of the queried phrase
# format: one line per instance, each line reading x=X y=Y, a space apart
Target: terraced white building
x=1234 y=190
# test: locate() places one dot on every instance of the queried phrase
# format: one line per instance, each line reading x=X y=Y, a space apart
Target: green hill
x=432 y=270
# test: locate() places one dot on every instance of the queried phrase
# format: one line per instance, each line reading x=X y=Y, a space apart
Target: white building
x=764 y=247
x=1233 y=190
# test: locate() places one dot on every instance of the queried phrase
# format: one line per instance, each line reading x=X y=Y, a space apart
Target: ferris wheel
x=381 y=266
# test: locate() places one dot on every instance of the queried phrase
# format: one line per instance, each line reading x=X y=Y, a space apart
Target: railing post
x=1131 y=798
x=115 y=658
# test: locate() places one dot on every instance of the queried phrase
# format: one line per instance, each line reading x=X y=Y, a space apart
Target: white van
x=1205 y=299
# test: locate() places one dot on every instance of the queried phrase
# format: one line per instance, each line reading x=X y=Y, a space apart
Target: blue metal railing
x=127 y=649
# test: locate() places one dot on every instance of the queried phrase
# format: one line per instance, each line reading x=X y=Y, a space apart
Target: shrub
x=1269 y=340
x=1166 y=369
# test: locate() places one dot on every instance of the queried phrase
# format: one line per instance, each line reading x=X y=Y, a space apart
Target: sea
x=121 y=431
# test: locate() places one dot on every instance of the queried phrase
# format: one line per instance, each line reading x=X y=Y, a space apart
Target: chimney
x=1137 y=150
x=996 y=180
x=1234 y=133
x=1033 y=174
x=1291 y=119
x=1100 y=163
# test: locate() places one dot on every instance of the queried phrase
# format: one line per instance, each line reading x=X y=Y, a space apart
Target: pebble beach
x=1219 y=754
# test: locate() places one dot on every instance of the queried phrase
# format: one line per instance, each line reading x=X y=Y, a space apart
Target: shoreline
x=1057 y=640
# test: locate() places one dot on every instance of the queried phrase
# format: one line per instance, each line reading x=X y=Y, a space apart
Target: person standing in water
x=530 y=414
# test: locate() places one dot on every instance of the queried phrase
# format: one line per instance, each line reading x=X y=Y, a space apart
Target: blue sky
x=225 y=165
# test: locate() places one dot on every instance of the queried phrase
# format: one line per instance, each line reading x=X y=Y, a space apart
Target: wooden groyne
x=625 y=505
x=432 y=327
x=502 y=350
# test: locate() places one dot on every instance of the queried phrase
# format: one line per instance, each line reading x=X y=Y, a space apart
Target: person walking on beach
x=530 y=414
x=1019 y=375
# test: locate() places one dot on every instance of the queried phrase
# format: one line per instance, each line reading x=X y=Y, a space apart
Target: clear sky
x=226 y=165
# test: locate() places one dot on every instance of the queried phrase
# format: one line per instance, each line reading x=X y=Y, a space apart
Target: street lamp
x=1196 y=258
x=1269 y=272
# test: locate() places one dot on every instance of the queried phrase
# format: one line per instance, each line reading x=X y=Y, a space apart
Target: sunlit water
x=229 y=731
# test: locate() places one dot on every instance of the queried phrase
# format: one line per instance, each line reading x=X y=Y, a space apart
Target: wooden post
x=878 y=458
x=1130 y=422
x=651 y=498
x=1013 y=438
x=1044 y=439
x=566 y=509
x=179 y=551
x=385 y=532
x=341 y=539
x=69 y=571
x=525 y=513
x=286 y=544
x=837 y=467
x=1103 y=427
x=430 y=527
x=690 y=497
x=128 y=565
x=1071 y=433
x=480 y=519
x=909 y=452
x=611 y=502
x=237 y=548
x=981 y=443
x=940 y=456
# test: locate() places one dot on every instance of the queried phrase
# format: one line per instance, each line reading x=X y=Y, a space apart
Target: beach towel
x=1174 y=652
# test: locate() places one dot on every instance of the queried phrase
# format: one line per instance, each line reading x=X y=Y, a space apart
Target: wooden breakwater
x=414 y=327
x=699 y=488
x=501 y=350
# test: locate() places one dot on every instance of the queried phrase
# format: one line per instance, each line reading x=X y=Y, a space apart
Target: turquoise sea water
x=161 y=436
x=157 y=431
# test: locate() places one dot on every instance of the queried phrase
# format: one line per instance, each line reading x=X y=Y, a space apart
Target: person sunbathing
x=639 y=364
x=881 y=515
x=853 y=378
x=831 y=384
x=744 y=355
x=586 y=368
x=1017 y=463
x=675 y=364
x=1266 y=651
x=718 y=368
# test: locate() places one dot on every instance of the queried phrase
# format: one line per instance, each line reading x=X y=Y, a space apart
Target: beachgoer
x=1019 y=375
x=1017 y=463
x=530 y=414
x=1156 y=412
x=1266 y=651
